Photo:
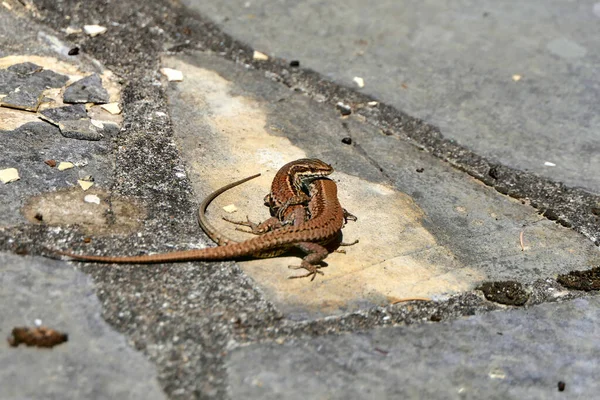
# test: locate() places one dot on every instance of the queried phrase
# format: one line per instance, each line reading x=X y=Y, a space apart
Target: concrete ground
x=467 y=157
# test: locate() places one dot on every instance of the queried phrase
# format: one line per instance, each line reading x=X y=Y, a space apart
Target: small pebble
x=63 y=165
x=359 y=81
x=74 y=51
x=294 y=63
x=561 y=386
x=172 y=75
x=112 y=108
x=347 y=140
x=85 y=185
x=92 y=198
x=260 y=56
x=343 y=108
x=94 y=30
x=230 y=208
x=9 y=175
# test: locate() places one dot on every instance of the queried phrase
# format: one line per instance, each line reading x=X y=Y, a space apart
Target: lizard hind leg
x=313 y=261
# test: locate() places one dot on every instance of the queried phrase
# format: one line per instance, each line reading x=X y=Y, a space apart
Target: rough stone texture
x=422 y=234
x=507 y=292
x=24 y=97
x=81 y=129
x=59 y=114
x=452 y=65
x=186 y=317
x=96 y=362
x=86 y=90
x=520 y=354
x=25 y=68
x=581 y=280
x=29 y=146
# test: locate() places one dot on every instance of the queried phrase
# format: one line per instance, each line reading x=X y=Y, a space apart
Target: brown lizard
x=286 y=200
x=323 y=228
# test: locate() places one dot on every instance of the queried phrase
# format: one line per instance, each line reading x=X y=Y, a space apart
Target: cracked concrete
x=435 y=219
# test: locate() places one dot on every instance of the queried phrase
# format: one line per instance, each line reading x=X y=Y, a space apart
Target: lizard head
x=306 y=170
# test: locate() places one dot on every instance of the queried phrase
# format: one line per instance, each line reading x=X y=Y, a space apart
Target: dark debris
x=39 y=337
x=581 y=280
x=510 y=293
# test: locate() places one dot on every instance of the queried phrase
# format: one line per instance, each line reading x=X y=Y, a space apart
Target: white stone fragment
x=231 y=208
x=69 y=30
x=360 y=82
x=172 y=75
x=549 y=164
x=8 y=6
x=65 y=165
x=516 y=77
x=260 y=56
x=373 y=103
x=9 y=175
x=97 y=124
x=85 y=185
x=94 y=30
x=112 y=108
x=92 y=198
x=37 y=322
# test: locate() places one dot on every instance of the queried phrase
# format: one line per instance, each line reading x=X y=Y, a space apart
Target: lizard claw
x=313 y=270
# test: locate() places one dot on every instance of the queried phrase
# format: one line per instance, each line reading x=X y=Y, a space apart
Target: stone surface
x=87 y=90
x=425 y=234
x=451 y=64
x=24 y=97
x=25 y=68
x=82 y=129
x=494 y=356
x=66 y=113
x=96 y=362
x=33 y=143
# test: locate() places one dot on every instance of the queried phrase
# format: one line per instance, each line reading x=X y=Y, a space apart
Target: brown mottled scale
x=324 y=226
x=287 y=199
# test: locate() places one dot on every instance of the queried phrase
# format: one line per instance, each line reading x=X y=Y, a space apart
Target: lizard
x=323 y=228
x=286 y=200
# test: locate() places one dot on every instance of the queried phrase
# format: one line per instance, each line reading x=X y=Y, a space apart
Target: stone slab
x=452 y=64
x=86 y=90
x=96 y=362
x=515 y=354
x=425 y=229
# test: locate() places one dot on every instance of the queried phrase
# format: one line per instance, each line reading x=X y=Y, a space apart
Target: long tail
x=210 y=230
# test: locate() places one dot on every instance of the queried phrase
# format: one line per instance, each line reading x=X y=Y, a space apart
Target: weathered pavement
x=482 y=240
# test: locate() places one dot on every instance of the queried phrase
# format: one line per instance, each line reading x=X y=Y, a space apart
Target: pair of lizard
x=306 y=215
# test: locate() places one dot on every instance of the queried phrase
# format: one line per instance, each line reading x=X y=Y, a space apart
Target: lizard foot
x=253 y=227
x=313 y=270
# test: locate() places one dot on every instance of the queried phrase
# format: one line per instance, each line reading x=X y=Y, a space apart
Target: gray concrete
x=519 y=354
x=217 y=329
x=451 y=64
x=95 y=363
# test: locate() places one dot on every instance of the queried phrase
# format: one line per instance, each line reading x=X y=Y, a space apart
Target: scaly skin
x=324 y=226
x=288 y=197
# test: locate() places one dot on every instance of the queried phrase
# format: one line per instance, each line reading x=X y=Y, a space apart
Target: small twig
x=411 y=299
x=521 y=240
